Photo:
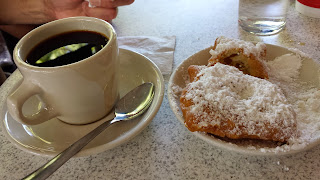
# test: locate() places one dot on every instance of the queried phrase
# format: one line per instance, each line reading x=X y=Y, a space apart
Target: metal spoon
x=132 y=105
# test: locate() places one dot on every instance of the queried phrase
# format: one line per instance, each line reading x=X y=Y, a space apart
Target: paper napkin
x=160 y=50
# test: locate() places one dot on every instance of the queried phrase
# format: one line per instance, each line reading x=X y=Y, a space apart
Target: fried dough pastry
x=193 y=71
x=246 y=56
x=223 y=101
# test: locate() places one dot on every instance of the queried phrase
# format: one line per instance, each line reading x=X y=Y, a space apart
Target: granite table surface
x=166 y=149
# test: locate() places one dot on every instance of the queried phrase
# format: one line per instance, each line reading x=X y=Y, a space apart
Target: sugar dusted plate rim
x=178 y=81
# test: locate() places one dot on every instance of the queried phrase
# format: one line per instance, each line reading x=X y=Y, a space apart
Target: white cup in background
x=309 y=8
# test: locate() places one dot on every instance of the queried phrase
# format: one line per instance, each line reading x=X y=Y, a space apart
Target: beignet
x=224 y=101
x=246 y=56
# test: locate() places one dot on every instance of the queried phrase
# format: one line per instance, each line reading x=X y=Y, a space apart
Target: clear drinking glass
x=263 y=17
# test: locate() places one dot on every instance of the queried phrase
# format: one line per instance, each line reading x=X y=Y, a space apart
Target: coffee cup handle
x=16 y=100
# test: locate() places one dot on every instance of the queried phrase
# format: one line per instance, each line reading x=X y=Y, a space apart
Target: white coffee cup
x=77 y=93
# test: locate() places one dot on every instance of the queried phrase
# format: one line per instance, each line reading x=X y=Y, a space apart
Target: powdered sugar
x=248 y=47
x=304 y=97
x=285 y=67
x=252 y=103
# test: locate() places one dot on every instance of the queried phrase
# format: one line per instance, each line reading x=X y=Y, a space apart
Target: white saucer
x=51 y=137
x=178 y=81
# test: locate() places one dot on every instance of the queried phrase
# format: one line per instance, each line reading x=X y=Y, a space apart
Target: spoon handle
x=50 y=167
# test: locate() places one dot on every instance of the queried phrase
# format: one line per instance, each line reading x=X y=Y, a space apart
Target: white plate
x=53 y=136
x=178 y=81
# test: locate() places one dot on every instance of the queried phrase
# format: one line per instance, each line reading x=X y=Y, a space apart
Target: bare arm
x=16 y=14
x=42 y=11
x=25 y=12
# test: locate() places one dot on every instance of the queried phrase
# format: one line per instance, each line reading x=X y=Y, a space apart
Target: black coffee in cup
x=66 y=48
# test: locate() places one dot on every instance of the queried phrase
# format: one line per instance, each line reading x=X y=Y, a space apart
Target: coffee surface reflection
x=66 y=48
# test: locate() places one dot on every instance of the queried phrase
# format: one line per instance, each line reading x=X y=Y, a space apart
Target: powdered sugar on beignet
x=226 y=102
x=246 y=56
x=223 y=43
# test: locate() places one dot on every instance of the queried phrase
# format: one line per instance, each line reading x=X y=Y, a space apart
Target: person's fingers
x=102 y=13
x=110 y=3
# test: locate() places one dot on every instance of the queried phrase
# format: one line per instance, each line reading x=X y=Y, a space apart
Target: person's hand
x=18 y=17
x=103 y=9
x=14 y=12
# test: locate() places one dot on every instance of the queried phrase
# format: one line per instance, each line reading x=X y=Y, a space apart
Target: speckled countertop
x=165 y=149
